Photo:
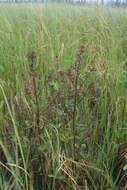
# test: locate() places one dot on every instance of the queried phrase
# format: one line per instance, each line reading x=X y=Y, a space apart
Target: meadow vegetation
x=63 y=97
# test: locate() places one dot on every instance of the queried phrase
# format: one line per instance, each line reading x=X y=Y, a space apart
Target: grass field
x=63 y=97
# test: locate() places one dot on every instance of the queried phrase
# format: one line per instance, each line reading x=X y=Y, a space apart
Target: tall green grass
x=63 y=97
